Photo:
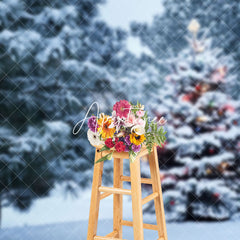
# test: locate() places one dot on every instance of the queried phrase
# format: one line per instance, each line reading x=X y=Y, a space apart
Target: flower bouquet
x=126 y=130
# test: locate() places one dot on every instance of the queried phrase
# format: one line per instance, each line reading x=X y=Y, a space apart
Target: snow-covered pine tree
x=200 y=162
x=166 y=35
x=56 y=58
x=142 y=79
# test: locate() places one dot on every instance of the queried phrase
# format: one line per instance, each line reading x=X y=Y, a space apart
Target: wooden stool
x=100 y=192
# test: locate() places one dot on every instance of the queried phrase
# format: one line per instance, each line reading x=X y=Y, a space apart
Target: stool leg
x=95 y=197
x=117 y=198
x=136 y=199
x=156 y=186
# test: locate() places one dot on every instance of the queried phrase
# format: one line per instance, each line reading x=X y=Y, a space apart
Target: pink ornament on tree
x=219 y=74
x=228 y=108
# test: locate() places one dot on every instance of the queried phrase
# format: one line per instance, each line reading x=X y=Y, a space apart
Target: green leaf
x=104 y=148
x=146 y=125
x=106 y=157
x=109 y=156
x=160 y=136
x=132 y=156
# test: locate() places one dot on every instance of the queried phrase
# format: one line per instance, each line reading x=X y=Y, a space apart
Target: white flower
x=194 y=26
x=154 y=119
x=94 y=138
x=111 y=125
x=114 y=114
x=138 y=129
x=162 y=121
x=121 y=134
x=130 y=121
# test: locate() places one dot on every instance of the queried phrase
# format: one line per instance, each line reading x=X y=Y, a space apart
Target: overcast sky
x=120 y=13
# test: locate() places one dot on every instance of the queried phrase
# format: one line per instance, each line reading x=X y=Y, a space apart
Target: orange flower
x=104 y=122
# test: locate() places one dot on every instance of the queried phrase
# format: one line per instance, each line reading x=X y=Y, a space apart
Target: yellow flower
x=137 y=139
x=104 y=122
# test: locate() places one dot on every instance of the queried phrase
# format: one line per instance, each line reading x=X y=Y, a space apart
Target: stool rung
x=150 y=197
x=112 y=234
x=104 y=195
x=115 y=190
x=107 y=238
x=145 y=225
x=143 y=180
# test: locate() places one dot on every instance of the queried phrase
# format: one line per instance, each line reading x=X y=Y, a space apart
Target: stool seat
x=100 y=192
x=123 y=155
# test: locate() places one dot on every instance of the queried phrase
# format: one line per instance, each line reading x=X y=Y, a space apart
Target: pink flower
x=162 y=121
x=122 y=108
x=140 y=113
x=140 y=122
x=130 y=121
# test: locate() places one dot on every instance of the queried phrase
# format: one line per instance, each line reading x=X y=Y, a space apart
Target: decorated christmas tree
x=200 y=163
x=165 y=36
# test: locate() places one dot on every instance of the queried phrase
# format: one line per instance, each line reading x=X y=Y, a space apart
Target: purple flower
x=127 y=140
x=136 y=148
x=126 y=149
x=92 y=124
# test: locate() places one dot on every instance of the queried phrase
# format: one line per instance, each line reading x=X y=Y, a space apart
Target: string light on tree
x=216 y=195
x=222 y=167
x=211 y=150
x=172 y=202
x=202 y=119
x=208 y=171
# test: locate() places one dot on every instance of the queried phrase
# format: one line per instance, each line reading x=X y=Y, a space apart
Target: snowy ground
x=60 y=218
x=78 y=231
x=59 y=208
